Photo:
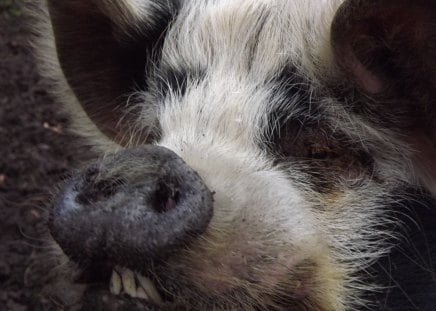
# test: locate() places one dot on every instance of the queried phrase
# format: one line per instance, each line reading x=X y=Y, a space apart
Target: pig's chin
x=291 y=284
x=226 y=283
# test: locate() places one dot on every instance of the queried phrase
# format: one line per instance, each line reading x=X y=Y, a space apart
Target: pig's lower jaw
x=127 y=283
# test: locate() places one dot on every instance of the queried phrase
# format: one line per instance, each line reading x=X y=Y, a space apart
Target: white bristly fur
x=224 y=114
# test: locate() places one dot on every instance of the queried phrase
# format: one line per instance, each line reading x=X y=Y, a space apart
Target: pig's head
x=252 y=148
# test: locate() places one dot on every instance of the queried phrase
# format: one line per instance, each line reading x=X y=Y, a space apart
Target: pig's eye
x=306 y=142
x=324 y=153
x=318 y=153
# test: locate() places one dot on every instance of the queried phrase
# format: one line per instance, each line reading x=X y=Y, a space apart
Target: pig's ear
x=103 y=48
x=388 y=49
x=387 y=45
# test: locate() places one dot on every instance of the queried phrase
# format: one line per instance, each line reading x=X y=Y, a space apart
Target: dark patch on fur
x=326 y=156
x=301 y=135
x=409 y=271
x=175 y=80
x=293 y=93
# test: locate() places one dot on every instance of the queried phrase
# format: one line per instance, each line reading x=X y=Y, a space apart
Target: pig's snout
x=131 y=208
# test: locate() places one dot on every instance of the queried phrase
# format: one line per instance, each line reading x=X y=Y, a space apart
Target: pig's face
x=257 y=144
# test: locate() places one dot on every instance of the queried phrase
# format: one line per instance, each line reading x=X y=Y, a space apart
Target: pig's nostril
x=107 y=188
x=165 y=198
x=93 y=191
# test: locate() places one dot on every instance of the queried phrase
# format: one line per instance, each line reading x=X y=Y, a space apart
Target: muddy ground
x=35 y=154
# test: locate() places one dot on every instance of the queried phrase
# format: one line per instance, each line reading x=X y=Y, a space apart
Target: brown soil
x=35 y=154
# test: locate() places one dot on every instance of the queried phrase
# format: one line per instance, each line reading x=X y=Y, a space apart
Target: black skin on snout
x=131 y=208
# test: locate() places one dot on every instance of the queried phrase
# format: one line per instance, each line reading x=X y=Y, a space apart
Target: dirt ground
x=35 y=154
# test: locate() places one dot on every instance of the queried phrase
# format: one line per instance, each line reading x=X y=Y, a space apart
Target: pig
x=250 y=152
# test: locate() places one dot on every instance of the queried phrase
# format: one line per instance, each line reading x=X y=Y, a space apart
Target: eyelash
x=318 y=154
x=293 y=141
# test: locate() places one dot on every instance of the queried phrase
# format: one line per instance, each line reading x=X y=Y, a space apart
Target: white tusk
x=115 y=284
x=149 y=288
x=129 y=285
x=140 y=293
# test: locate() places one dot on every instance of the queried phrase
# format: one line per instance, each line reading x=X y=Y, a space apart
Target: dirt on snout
x=36 y=153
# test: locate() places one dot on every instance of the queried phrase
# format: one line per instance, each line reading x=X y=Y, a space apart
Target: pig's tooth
x=129 y=285
x=141 y=294
x=149 y=289
x=115 y=283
